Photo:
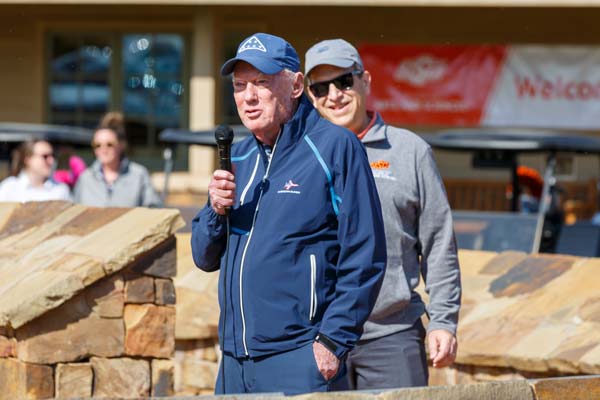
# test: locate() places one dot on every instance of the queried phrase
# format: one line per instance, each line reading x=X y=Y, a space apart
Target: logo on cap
x=252 y=44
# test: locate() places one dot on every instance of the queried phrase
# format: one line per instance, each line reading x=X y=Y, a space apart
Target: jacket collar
x=25 y=182
x=97 y=168
x=377 y=132
x=305 y=117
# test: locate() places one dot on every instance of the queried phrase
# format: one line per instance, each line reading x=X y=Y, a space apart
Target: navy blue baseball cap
x=267 y=53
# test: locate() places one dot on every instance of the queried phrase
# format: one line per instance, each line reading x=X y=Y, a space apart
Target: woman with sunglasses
x=31 y=171
x=113 y=180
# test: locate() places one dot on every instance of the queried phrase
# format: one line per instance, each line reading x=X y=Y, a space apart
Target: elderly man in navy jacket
x=302 y=253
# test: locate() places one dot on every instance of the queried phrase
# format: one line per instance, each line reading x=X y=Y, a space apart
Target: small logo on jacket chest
x=381 y=169
x=288 y=186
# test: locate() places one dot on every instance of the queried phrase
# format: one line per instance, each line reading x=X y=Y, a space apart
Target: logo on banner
x=252 y=44
x=421 y=70
x=432 y=84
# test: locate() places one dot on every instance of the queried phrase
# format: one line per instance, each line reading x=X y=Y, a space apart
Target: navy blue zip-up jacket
x=307 y=246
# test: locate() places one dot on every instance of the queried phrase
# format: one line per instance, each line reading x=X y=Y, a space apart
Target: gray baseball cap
x=336 y=52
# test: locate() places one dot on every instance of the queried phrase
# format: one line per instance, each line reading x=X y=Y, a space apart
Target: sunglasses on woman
x=342 y=82
x=45 y=156
x=109 y=145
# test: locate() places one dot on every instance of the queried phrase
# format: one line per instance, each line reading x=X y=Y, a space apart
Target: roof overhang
x=361 y=3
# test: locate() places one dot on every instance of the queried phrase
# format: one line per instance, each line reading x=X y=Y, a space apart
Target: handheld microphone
x=224 y=138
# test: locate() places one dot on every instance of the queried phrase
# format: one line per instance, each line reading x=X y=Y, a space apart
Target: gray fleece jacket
x=132 y=188
x=419 y=234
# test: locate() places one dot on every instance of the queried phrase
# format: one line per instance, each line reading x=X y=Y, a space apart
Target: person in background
x=69 y=176
x=31 y=170
x=113 y=180
x=530 y=193
x=418 y=228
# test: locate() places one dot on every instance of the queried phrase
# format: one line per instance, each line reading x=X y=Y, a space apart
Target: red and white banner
x=504 y=86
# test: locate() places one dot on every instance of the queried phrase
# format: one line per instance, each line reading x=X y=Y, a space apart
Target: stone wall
x=464 y=374
x=197 y=351
x=524 y=317
x=87 y=302
x=574 y=388
x=114 y=339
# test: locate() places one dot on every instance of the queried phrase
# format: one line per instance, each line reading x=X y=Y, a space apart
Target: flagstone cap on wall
x=538 y=313
x=50 y=251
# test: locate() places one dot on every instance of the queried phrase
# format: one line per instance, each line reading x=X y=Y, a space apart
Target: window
x=80 y=87
x=144 y=75
x=153 y=85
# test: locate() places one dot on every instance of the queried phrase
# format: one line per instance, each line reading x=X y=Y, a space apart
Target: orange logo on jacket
x=380 y=164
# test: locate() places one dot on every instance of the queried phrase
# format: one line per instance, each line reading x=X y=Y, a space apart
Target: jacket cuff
x=434 y=326
x=216 y=223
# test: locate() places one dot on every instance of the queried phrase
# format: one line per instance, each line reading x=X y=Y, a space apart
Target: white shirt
x=19 y=189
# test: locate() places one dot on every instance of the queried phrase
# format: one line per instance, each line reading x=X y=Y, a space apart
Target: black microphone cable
x=224 y=288
x=224 y=138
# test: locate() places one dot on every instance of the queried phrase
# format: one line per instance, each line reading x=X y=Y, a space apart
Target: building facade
x=67 y=62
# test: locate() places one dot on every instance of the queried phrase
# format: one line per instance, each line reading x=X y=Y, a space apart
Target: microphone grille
x=224 y=134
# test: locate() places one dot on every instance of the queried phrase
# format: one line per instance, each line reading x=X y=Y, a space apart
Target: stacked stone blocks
x=114 y=338
x=197 y=351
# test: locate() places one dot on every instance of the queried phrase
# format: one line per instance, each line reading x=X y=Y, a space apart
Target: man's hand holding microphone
x=221 y=189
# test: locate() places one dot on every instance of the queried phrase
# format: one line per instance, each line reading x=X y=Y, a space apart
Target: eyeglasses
x=342 y=82
x=109 y=145
x=45 y=156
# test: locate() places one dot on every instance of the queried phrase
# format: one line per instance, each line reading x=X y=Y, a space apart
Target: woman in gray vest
x=113 y=180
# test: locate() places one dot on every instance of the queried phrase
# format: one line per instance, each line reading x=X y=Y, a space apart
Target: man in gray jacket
x=418 y=226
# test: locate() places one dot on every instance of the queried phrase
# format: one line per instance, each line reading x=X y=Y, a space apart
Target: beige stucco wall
x=20 y=71
x=304 y=25
x=377 y=3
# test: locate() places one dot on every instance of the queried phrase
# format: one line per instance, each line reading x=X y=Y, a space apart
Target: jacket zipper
x=248 y=242
x=313 y=284
x=251 y=180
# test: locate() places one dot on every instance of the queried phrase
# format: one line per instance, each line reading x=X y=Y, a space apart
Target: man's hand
x=221 y=191
x=442 y=348
x=327 y=362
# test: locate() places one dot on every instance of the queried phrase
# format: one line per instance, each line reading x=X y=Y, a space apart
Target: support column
x=202 y=92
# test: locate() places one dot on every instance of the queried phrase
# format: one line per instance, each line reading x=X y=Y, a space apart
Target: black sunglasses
x=342 y=82
x=45 y=156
